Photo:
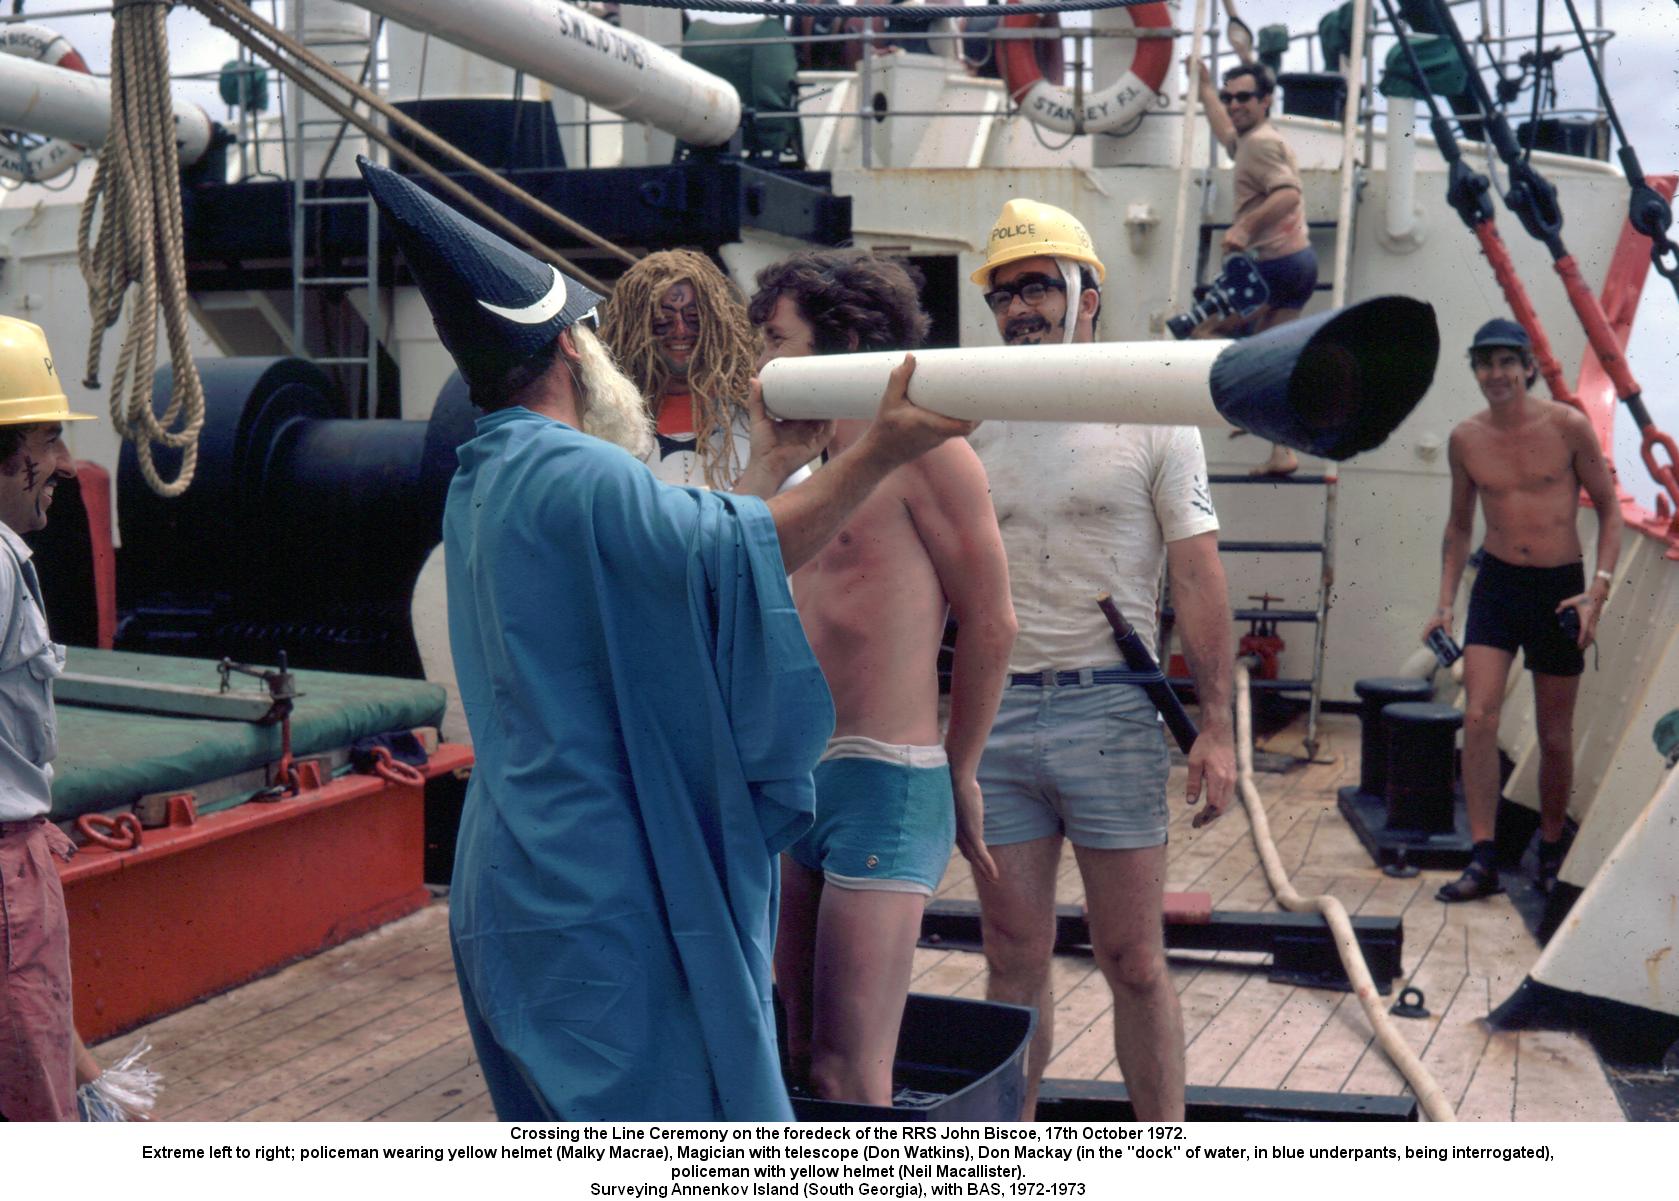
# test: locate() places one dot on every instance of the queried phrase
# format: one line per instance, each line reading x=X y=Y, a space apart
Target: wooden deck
x=373 y=1031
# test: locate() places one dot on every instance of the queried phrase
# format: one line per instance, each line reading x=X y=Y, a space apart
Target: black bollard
x=1377 y=693
x=1420 y=768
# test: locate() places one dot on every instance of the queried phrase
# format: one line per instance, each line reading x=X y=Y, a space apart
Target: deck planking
x=373 y=1030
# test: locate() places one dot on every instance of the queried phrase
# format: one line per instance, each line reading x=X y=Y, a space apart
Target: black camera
x=1568 y=621
x=1445 y=649
x=1239 y=291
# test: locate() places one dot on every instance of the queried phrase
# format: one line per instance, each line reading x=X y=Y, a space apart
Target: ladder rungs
x=1234 y=478
x=1309 y=616
x=327 y=280
x=1256 y=685
x=334 y=362
x=322 y=201
x=1272 y=548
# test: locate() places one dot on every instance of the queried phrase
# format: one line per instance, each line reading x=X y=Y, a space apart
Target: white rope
x=1423 y=1085
x=139 y=243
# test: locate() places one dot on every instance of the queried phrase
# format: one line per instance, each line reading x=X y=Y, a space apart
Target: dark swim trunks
x=1512 y=606
x=1290 y=278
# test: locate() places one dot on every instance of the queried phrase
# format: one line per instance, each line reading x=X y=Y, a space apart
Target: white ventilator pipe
x=56 y=103
x=1401 y=220
x=553 y=41
x=1331 y=385
x=1428 y=1093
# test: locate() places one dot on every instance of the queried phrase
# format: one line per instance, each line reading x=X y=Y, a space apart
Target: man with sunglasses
x=1270 y=223
x=1077 y=752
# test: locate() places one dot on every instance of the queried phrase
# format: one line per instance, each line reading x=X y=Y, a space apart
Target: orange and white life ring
x=28 y=157
x=1053 y=105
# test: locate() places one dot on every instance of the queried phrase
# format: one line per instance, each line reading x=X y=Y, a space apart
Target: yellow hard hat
x=1029 y=229
x=29 y=387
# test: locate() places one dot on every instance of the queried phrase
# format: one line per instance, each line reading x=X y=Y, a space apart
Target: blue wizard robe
x=645 y=713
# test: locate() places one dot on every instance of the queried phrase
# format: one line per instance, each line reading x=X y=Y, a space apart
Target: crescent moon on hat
x=545 y=309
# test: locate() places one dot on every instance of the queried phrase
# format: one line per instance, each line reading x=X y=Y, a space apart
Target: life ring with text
x=1113 y=107
x=29 y=157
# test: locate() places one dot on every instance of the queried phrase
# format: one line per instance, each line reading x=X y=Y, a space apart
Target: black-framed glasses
x=1237 y=97
x=1032 y=290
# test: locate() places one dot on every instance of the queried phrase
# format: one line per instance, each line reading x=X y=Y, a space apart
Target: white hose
x=1423 y=1085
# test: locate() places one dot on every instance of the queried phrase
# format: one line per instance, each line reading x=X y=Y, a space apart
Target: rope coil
x=140 y=243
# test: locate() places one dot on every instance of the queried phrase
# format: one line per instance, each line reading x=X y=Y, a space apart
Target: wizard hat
x=493 y=304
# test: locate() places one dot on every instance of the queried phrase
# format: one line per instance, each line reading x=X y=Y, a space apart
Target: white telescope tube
x=566 y=47
x=1334 y=385
x=1142 y=383
x=56 y=103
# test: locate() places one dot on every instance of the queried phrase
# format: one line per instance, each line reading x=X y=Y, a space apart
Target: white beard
x=613 y=409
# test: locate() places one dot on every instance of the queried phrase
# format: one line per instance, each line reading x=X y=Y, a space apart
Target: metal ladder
x=302 y=204
x=1317 y=616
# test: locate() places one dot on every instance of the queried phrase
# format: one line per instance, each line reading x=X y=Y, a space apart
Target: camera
x=1445 y=649
x=1568 y=621
x=1238 y=291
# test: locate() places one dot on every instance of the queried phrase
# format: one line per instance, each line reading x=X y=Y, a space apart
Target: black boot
x=1479 y=879
x=1551 y=855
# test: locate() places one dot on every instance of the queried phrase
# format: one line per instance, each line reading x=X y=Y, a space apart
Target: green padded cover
x=1440 y=61
x=761 y=73
x=109 y=758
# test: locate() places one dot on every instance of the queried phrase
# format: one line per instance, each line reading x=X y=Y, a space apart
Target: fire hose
x=1423 y=1085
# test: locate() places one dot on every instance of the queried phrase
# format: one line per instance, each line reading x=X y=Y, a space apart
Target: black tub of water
x=958 y=1061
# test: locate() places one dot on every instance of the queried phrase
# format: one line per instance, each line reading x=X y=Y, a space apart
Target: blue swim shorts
x=1082 y=758
x=885 y=818
x=1291 y=278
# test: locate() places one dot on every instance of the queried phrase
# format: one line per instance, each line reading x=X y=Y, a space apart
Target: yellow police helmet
x=29 y=387
x=1029 y=229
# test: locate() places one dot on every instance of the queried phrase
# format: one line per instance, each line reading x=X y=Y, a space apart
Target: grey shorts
x=1087 y=760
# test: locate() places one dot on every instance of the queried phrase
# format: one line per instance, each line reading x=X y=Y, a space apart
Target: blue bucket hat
x=493 y=304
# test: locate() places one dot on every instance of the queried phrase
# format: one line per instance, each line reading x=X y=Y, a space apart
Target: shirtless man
x=889 y=798
x=1527 y=458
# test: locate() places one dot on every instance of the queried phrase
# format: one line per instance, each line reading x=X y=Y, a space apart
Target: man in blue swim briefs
x=1527 y=459
x=1270 y=222
x=890 y=798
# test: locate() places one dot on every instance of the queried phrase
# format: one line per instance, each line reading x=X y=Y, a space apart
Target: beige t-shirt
x=1264 y=163
x=1087 y=509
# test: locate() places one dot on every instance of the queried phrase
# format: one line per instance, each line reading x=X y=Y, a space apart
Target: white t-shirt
x=674 y=461
x=1088 y=509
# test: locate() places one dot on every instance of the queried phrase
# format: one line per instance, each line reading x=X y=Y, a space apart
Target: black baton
x=1138 y=659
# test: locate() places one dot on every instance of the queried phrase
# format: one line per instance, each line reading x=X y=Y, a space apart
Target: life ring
x=29 y=157
x=1052 y=105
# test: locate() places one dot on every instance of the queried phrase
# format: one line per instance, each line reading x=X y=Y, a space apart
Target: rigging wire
x=930 y=12
x=1647 y=211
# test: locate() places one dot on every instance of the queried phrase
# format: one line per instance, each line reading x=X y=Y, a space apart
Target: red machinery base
x=198 y=909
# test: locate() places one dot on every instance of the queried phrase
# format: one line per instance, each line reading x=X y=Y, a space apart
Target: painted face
x=1023 y=322
x=28 y=478
x=1501 y=374
x=676 y=327
x=1242 y=101
x=787 y=335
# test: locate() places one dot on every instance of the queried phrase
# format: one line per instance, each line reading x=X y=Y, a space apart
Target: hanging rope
x=137 y=191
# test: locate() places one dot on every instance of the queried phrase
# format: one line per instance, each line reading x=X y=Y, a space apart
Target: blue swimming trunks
x=885 y=818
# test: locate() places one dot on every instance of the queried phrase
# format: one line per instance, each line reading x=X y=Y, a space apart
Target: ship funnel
x=1331 y=386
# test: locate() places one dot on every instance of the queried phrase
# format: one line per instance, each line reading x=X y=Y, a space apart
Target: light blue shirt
x=29 y=662
x=645 y=713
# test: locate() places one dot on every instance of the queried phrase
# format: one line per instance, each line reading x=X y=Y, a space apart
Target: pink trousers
x=37 y=1056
